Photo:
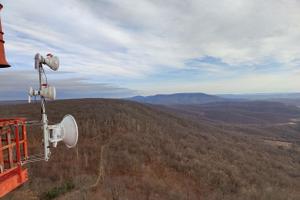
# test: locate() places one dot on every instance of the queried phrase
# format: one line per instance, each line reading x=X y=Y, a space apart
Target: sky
x=122 y=48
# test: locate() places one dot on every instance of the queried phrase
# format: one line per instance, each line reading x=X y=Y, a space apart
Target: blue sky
x=113 y=48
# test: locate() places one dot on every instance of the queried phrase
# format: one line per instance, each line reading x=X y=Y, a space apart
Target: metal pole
x=44 y=119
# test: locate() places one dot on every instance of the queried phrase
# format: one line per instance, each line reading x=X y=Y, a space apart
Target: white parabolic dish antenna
x=69 y=131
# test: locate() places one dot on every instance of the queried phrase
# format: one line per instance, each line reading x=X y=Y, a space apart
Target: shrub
x=57 y=191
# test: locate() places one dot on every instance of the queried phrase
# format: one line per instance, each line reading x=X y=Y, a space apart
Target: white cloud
x=134 y=39
x=15 y=85
x=250 y=83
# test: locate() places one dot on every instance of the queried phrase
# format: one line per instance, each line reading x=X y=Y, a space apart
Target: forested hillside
x=128 y=150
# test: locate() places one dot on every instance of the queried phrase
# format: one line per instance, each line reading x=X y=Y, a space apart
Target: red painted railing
x=13 y=150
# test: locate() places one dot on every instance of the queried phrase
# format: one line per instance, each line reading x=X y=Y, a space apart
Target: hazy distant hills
x=178 y=98
x=243 y=112
x=286 y=98
x=236 y=109
x=262 y=96
x=202 y=98
x=13 y=102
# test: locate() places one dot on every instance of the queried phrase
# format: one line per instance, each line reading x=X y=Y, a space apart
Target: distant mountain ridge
x=178 y=98
x=262 y=96
x=13 y=102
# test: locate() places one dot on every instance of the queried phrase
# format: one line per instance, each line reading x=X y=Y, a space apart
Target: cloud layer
x=153 y=46
x=16 y=86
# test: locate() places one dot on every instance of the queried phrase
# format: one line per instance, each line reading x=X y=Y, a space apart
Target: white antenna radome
x=47 y=91
x=50 y=60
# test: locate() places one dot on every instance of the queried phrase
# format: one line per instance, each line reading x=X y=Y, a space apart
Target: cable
x=43 y=70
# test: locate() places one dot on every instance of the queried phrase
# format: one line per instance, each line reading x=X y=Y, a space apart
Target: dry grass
x=277 y=143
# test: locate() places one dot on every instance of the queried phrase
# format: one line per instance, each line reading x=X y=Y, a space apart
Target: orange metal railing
x=13 y=150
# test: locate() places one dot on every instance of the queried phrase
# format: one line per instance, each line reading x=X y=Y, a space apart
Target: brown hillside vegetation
x=128 y=150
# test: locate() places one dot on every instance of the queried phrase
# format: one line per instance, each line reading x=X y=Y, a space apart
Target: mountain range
x=178 y=98
x=202 y=98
